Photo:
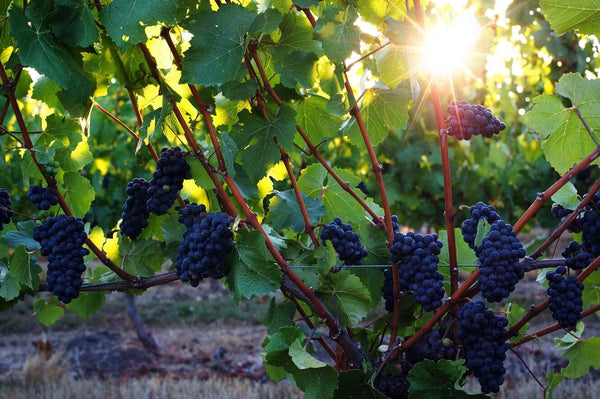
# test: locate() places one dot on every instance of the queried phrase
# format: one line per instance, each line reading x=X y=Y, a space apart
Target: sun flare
x=448 y=47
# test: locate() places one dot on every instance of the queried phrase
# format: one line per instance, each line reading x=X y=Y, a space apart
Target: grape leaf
x=256 y=136
x=78 y=193
x=570 y=338
x=126 y=21
x=552 y=379
x=253 y=271
x=566 y=196
x=299 y=68
x=583 y=15
x=48 y=312
x=567 y=141
x=217 y=48
x=39 y=49
x=141 y=257
x=514 y=313
x=336 y=30
x=383 y=111
x=24 y=268
x=376 y=12
x=316 y=121
x=315 y=182
x=284 y=211
x=296 y=35
x=354 y=384
x=345 y=293
x=464 y=254
x=583 y=355
x=23 y=236
x=279 y=315
x=439 y=380
x=73 y=23
x=11 y=286
x=302 y=359
x=87 y=304
x=391 y=65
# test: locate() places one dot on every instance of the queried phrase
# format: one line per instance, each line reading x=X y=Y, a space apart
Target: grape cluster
x=590 y=227
x=393 y=386
x=61 y=239
x=499 y=266
x=564 y=297
x=206 y=241
x=478 y=211
x=417 y=257
x=345 y=242
x=42 y=198
x=5 y=208
x=51 y=168
x=561 y=213
x=470 y=120
x=576 y=257
x=167 y=180
x=483 y=335
x=135 y=213
x=430 y=346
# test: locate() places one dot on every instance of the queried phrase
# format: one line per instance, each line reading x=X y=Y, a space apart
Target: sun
x=449 y=47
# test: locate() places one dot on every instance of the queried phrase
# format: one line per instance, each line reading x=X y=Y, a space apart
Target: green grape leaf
x=336 y=30
x=284 y=211
x=39 y=49
x=317 y=383
x=591 y=290
x=345 y=293
x=217 y=48
x=11 y=286
x=376 y=12
x=141 y=257
x=73 y=23
x=514 y=313
x=253 y=271
x=567 y=196
x=256 y=136
x=315 y=120
x=78 y=193
x=464 y=254
x=316 y=182
x=126 y=21
x=279 y=315
x=583 y=355
x=302 y=359
x=48 y=312
x=24 y=268
x=391 y=65
x=306 y=3
x=297 y=68
x=296 y=35
x=266 y=22
x=569 y=339
x=439 y=380
x=552 y=380
x=583 y=15
x=23 y=236
x=354 y=384
x=566 y=141
x=87 y=303
x=383 y=111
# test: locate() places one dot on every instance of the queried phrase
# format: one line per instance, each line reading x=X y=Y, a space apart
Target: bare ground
x=208 y=347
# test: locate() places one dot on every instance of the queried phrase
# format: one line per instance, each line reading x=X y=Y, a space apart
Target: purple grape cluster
x=417 y=257
x=483 y=335
x=206 y=242
x=430 y=346
x=478 y=211
x=576 y=257
x=561 y=213
x=61 y=239
x=393 y=386
x=135 y=212
x=5 y=208
x=499 y=266
x=564 y=297
x=467 y=121
x=345 y=242
x=42 y=197
x=167 y=180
